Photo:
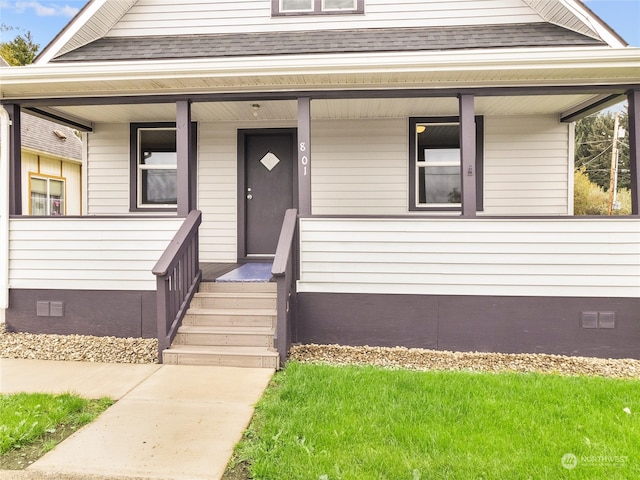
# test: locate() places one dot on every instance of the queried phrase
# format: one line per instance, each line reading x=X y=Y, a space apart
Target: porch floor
x=211 y=271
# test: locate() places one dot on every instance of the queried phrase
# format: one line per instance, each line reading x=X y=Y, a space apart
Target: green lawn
x=342 y=423
x=25 y=418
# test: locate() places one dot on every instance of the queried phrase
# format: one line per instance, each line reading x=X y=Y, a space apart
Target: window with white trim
x=434 y=170
x=46 y=195
x=316 y=7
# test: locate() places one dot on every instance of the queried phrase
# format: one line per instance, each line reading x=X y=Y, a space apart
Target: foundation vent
x=598 y=319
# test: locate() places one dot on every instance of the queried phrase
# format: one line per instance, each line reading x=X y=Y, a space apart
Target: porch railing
x=178 y=276
x=284 y=273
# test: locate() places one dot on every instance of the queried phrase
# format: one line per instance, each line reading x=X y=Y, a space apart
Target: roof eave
x=502 y=64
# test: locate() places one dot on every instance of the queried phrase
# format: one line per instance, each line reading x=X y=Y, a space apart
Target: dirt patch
x=21 y=458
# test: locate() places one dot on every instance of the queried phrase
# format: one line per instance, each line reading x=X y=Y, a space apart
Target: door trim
x=242 y=184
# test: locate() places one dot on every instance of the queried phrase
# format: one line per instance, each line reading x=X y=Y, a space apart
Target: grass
x=32 y=424
x=346 y=423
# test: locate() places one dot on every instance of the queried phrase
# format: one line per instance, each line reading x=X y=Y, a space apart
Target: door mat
x=249 y=272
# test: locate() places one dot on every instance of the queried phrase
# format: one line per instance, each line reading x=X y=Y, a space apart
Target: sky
x=45 y=18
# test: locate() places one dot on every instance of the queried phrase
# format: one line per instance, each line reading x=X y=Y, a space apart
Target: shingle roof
x=328 y=41
x=39 y=134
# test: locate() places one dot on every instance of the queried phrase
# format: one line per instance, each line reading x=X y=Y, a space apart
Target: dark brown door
x=268 y=189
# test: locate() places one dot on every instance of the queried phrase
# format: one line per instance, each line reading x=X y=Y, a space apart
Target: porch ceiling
x=286 y=110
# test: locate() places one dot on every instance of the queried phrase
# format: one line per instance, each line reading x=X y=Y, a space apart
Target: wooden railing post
x=282 y=270
x=162 y=302
x=178 y=276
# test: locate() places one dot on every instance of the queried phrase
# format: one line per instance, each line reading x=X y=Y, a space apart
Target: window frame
x=318 y=9
x=48 y=179
x=414 y=206
x=135 y=193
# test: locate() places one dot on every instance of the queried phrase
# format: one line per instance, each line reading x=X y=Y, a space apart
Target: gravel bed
x=139 y=350
x=77 y=348
x=420 y=359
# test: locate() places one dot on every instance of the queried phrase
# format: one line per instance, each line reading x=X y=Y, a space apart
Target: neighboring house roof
x=50 y=138
x=3 y=62
x=332 y=41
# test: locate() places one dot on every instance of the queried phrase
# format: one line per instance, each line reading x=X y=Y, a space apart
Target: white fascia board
x=603 y=30
x=69 y=33
x=596 y=58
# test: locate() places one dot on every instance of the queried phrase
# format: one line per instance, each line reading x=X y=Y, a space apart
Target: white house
x=423 y=149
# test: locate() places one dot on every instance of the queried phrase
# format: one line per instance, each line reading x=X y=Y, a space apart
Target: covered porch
x=362 y=234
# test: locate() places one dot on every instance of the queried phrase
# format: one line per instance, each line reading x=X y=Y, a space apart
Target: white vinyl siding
x=526 y=166
x=359 y=167
x=535 y=257
x=217 y=192
x=108 y=169
x=197 y=17
x=87 y=254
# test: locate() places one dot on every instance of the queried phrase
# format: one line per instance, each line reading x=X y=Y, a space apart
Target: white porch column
x=5 y=138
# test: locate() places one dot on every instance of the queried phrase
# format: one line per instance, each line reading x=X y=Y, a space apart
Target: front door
x=268 y=189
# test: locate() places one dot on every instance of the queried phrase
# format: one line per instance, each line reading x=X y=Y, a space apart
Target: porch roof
x=435 y=70
x=328 y=41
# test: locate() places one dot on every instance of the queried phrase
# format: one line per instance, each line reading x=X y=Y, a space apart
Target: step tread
x=268 y=295
x=233 y=311
x=231 y=287
x=222 y=350
x=226 y=330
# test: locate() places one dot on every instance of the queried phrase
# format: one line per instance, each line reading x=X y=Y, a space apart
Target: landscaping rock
x=421 y=359
x=77 y=348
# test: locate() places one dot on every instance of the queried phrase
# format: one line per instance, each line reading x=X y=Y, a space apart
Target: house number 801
x=304 y=160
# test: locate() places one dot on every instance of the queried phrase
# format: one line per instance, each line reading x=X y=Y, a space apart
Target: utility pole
x=614 y=164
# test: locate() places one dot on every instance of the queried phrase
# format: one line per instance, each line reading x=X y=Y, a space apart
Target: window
x=46 y=195
x=434 y=173
x=157 y=167
x=154 y=169
x=316 y=7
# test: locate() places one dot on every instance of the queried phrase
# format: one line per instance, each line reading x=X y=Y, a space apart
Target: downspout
x=5 y=138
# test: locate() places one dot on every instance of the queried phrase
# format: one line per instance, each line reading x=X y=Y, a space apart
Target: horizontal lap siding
x=81 y=254
x=193 y=17
x=526 y=166
x=359 y=167
x=475 y=257
x=217 y=192
x=108 y=169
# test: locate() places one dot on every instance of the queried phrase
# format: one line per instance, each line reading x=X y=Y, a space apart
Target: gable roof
x=95 y=25
x=47 y=137
x=333 y=41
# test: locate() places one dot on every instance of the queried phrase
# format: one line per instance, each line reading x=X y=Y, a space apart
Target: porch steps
x=228 y=324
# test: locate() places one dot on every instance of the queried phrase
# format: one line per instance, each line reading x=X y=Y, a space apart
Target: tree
x=593 y=143
x=591 y=199
x=20 y=51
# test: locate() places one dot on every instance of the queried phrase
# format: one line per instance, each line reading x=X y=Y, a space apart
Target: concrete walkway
x=170 y=422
